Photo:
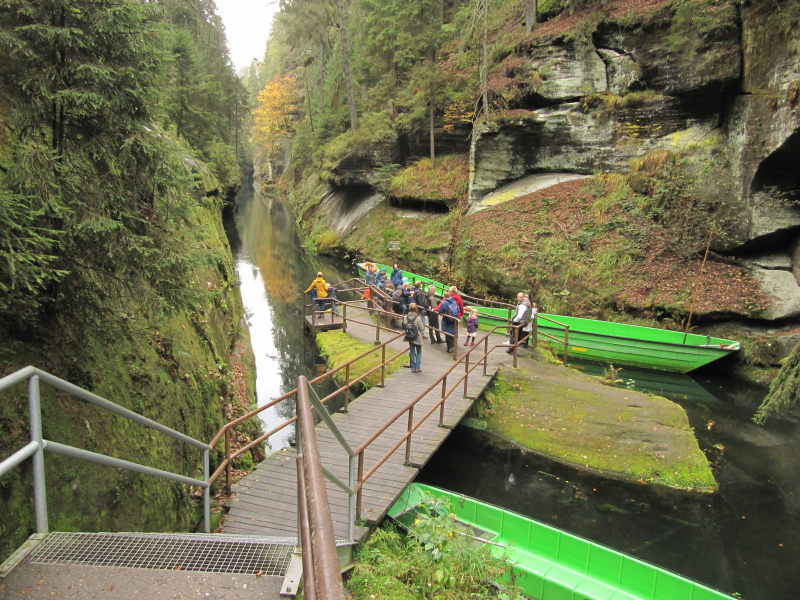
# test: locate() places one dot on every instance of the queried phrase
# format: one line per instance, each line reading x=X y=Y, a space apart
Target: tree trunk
x=531 y=14
x=348 y=80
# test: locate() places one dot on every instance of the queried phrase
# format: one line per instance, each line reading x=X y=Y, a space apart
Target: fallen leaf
x=110 y=588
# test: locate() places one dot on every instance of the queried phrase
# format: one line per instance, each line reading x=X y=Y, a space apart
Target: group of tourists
x=422 y=314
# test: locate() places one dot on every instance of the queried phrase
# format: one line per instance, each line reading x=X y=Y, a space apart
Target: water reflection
x=274 y=271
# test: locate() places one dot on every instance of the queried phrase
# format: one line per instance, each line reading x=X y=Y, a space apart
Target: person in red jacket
x=459 y=300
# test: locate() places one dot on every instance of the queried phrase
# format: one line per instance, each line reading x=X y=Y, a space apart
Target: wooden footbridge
x=381 y=439
x=368 y=452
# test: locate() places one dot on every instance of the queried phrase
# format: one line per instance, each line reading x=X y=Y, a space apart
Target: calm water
x=745 y=539
x=274 y=271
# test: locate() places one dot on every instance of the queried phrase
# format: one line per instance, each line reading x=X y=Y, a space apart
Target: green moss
x=169 y=365
x=338 y=348
x=580 y=422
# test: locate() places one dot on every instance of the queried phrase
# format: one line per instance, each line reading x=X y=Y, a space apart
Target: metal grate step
x=212 y=553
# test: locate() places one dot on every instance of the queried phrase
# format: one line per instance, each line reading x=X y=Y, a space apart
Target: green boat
x=551 y=564
x=619 y=344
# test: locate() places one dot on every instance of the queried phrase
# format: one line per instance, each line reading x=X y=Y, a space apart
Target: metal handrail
x=363 y=476
x=316 y=526
x=225 y=429
x=36 y=447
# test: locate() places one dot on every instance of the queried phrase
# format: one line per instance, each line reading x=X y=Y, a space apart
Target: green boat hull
x=619 y=344
x=551 y=564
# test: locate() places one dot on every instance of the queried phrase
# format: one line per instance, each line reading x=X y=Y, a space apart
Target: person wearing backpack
x=412 y=325
x=448 y=309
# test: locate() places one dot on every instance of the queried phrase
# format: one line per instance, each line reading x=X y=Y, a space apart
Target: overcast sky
x=247 y=24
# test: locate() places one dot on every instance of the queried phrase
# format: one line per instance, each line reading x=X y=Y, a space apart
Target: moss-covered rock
x=171 y=365
x=572 y=418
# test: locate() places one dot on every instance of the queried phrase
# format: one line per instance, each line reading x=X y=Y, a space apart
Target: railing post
x=228 y=461
x=444 y=395
x=344 y=318
x=455 y=341
x=39 y=489
x=347 y=388
x=516 y=344
x=466 y=371
x=566 y=345
x=535 y=333
x=360 y=483
x=351 y=498
x=408 y=431
x=383 y=366
x=378 y=329
x=206 y=492
x=485 y=355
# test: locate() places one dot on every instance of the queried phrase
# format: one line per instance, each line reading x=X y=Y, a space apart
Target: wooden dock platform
x=323 y=321
x=265 y=501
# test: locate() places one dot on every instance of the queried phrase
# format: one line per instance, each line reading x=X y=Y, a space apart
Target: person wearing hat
x=319 y=290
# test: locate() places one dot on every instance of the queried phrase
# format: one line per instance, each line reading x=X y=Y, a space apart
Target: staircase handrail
x=38 y=444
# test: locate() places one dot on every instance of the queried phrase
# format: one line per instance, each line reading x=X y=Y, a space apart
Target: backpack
x=410 y=329
x=454 y=309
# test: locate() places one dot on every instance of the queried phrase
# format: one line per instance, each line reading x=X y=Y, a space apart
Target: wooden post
x=378 y=330
x=359 y=483
x=516 y=341
x=485 y=355
x=344 y=318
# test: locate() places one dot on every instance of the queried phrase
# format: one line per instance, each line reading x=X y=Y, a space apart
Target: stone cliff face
x=705 y=79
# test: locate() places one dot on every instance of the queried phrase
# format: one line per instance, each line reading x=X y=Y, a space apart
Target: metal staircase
x=69 y=565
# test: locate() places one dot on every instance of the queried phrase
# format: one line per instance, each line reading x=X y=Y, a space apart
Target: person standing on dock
x=519 y=321
x=457 y=299
x=433 y=316
x=318 y=290
x=412 y=324
x=448 y=309
x=472 y=327
x=420 y=298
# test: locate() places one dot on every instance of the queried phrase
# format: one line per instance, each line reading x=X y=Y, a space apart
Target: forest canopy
x=114 y=117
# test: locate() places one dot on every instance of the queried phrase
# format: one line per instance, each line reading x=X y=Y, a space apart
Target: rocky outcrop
x=568 y=138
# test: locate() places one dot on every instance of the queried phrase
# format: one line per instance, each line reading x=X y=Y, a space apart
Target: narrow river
x=745 y=539
x=274 y=271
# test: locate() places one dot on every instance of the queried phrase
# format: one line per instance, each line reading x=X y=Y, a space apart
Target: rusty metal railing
x=322 y=578
x=345 y=389
x=408 y=410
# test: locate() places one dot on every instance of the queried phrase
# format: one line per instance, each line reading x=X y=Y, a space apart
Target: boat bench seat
x=555 y=582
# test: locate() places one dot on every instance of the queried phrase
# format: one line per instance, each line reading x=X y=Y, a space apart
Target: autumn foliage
x=272 y=117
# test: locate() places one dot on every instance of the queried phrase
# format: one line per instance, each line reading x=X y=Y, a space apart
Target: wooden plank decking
x=265 y=501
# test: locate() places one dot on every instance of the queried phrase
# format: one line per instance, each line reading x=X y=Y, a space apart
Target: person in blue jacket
x=448 y=309
x=397 y=276
x=380 y=279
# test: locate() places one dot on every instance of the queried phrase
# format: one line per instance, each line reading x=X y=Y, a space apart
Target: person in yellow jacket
x=318 y=289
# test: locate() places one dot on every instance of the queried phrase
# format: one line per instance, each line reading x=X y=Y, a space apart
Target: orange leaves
x=273 y=115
